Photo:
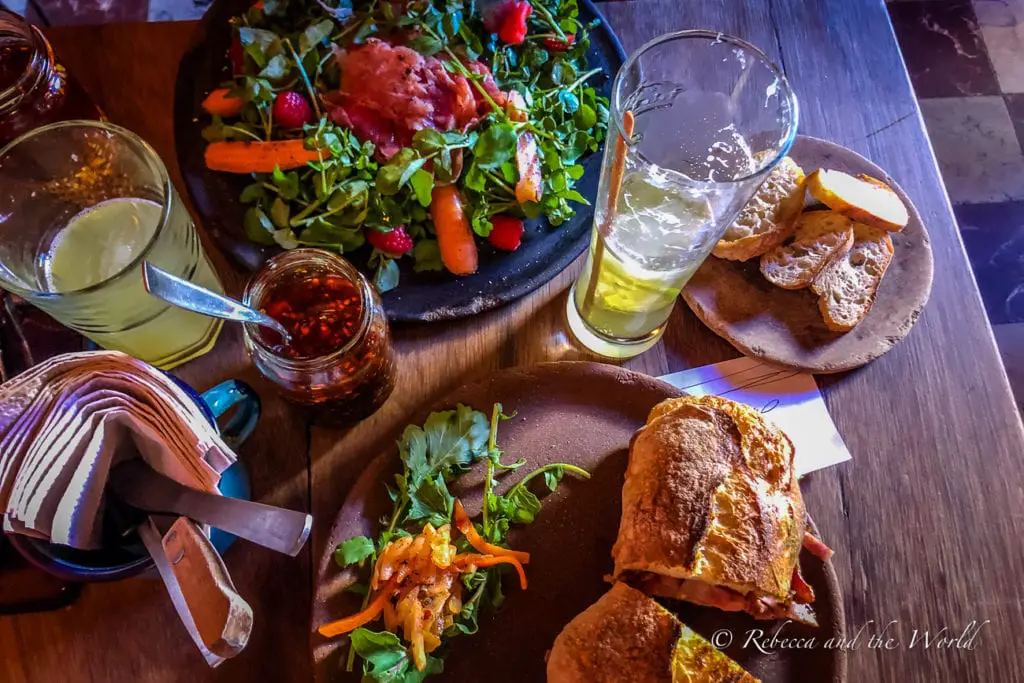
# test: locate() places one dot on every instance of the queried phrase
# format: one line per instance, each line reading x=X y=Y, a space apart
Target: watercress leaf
x=350 y=193
x=258 y=227
x=475 y=178
x=425 y=44
x=532 y=209
x=409 y=170
x=552 y=477
x=259 y=44
x=428 y=141
x=386 y=277
x=495 y=146
x=314 y=35
x=277 y=68
x=280 y=212
x=422 y=182
x=286 y=183
x=286 y=239
x=358 y=587
x=586 y=117
x=574 y=196
x=387 y=660
x=508 y=172
x=252 y=193
x=451 y=23
x=575 y=171
x=521 y=505
x=427 y=256
x=570 y=103
x=322 y=232
x=578 y=145
x=353 y=551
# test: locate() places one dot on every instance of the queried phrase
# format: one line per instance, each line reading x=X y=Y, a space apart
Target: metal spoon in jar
x=191 y=297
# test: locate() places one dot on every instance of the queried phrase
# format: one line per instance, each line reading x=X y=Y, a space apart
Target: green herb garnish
x=447 y=444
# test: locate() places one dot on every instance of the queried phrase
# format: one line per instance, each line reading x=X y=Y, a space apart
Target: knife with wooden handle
x=142 y=487
x=215 y=615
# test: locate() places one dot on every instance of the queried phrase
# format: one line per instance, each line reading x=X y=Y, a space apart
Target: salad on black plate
x=419 y=126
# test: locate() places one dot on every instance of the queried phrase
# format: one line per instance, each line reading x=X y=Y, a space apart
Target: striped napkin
x=66 y=422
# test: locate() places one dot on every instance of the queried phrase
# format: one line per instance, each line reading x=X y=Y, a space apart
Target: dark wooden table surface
x=927 y=519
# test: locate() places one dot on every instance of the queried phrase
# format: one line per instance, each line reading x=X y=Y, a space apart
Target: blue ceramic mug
x=130 y=557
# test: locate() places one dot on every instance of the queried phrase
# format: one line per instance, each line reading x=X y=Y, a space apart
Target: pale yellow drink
x=100 y=243
x=658 y=238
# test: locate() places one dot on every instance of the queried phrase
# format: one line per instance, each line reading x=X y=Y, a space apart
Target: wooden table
x=927 y=519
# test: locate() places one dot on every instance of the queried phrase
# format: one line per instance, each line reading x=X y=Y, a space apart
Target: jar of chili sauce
x=34 y=88
x=338 y=360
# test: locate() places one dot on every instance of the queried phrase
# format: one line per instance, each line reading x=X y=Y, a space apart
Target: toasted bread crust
x=711 y=494
x=769 y=218
x=626 y=636
x=820 y=189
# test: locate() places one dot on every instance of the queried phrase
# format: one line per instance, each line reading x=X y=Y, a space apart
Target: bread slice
x=627 y=637
x=821 y=237
x=768 y=218
x=862 y=198
x=846 y=289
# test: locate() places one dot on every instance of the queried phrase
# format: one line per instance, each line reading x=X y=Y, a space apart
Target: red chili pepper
x=557 y=45
x=513 y=26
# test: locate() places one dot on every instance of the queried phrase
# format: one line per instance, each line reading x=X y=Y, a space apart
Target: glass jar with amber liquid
x=34 y=88
x=338 y=360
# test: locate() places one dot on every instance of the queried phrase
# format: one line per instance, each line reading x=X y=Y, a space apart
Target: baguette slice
x=846 y=289
x=821 y=237
x=626 y=637
x=769 y=217
x=862 y=198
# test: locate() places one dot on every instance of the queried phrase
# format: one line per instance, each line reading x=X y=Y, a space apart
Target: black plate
x=501 y=278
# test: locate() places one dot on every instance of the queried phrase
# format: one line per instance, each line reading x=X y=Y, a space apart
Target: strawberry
x=507 y=233
x=556 y=45
x=394 y=244
x=291 y=110
x=513 y=25
x=237 y=56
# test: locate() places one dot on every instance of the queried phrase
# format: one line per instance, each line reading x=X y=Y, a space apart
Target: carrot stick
x=465 y=525
x=481 y=561
x=260 y=157
x=220 y=102
x=454 y=236
x=352 y=622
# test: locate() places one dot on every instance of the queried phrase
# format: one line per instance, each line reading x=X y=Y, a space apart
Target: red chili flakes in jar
x=338 y=360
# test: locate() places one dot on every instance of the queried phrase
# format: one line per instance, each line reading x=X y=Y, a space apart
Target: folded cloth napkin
x=66 y=422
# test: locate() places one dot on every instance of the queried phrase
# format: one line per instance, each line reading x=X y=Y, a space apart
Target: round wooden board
x=585 y=414
x=785 y=327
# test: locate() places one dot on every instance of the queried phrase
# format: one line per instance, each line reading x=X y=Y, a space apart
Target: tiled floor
x=966 y=60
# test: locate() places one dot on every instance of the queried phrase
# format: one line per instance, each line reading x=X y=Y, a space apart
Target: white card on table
x=789 y=398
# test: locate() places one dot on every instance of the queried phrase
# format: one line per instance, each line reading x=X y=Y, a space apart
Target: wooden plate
x=785 y=327
x=502 y=277
x=585 y=414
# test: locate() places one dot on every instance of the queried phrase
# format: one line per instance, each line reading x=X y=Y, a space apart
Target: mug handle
x=224 y=396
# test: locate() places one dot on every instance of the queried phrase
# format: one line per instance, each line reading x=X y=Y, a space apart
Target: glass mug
x=82 y=205
x=698 y=120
